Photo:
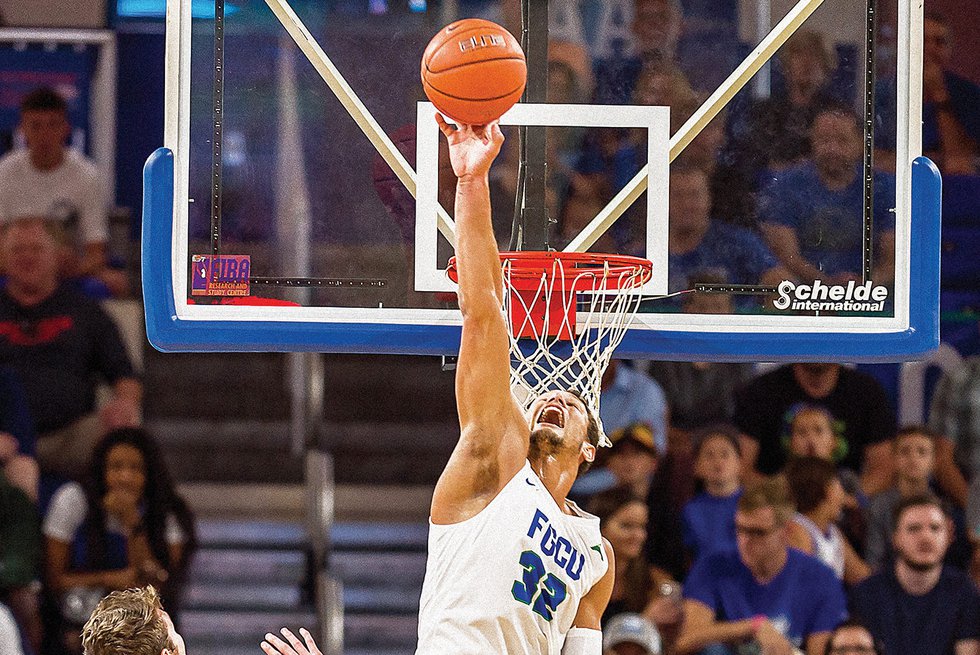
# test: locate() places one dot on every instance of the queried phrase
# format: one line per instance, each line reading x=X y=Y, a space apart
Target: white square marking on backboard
x=430 y=274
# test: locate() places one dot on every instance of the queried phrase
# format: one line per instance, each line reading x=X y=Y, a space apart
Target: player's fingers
x=267 y=649
x=293 y=640
x=282 y=647
x=308 y=638
x=446 y=128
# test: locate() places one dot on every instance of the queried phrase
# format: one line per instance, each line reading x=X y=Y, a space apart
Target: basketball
x=473 y=71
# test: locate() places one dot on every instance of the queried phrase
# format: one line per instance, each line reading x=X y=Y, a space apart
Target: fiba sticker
x=220 y=275
x=852 y=297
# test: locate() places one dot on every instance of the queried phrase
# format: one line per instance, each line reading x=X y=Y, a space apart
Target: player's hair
x=159 y=501
x=43 y=99
x=925 y=499
x=772 y=493
x=809 y=42
x=127 y=623
x=808 y=479
x=918 y=430
x=716 y=431
x=852 y=623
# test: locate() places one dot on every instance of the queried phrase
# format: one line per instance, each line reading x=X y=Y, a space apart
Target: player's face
x=852 y=640
x=921 y=537
x=812 y=436
x=560 y=421
x=915 y=457
x=125 y=470
x=175 y=638
x=626 y=530
x=761 y=538
x=45 y=131
x=718 y=463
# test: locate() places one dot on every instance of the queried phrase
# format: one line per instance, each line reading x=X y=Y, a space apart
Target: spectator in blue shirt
x=812 y=214
x=630 y=396
x=920 y=606
x=709 y=517
x=763 y=592
x=697 y=244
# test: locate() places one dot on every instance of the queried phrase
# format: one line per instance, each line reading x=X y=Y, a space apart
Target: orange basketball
x=473 y=71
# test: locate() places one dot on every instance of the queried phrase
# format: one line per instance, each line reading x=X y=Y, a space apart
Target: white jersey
x=509 y=580
x=827 y=547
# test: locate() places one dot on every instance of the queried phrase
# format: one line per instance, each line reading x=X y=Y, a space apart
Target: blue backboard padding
x=170 y=334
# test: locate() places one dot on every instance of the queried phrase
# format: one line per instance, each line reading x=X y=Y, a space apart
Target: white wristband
x=582 y=641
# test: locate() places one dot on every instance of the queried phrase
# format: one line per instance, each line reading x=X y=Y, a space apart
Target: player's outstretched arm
x=585 y=637
x=493 y=433
x=291 y=645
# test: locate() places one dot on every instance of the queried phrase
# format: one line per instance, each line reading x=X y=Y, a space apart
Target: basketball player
x=513 y=566
x=133 y=622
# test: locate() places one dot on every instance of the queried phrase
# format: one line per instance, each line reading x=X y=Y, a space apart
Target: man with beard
x=811 y=215
x=513 y=566
x=920 y=606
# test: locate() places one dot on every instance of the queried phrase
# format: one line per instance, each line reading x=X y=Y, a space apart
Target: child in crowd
x=820 y=499
x=638 y=587
x=709 y=518
x=915 y=461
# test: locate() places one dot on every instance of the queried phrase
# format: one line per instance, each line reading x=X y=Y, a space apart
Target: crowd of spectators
x=86 y=503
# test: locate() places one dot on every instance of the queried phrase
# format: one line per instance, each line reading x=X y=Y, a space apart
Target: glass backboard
x=767 y=162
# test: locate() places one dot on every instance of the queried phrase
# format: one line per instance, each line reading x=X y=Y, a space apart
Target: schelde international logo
x=850 y=297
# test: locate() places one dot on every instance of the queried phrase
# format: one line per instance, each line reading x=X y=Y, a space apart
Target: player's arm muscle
x=493 y=435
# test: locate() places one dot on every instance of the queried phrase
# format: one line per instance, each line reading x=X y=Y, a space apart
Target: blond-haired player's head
x=131 y=622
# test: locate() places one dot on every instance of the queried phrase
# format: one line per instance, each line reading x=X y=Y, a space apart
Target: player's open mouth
x=552 y=415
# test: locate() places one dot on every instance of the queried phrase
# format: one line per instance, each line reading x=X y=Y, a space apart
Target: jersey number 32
x=543 y=591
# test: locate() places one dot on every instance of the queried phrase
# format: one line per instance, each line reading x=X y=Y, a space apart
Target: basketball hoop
x=567 y=313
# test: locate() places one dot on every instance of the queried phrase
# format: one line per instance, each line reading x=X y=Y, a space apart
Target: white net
x=565 y=323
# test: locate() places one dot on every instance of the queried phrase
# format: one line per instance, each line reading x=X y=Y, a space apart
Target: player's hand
x=472 y=148
x=273 y=645
x=8 y=447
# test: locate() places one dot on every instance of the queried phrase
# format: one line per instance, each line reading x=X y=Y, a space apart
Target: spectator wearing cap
x=630 y=634
x=764 y=592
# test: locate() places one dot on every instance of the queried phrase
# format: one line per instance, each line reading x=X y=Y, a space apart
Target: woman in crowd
x=638 y=587
x=125 y=527
x=820 y=499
